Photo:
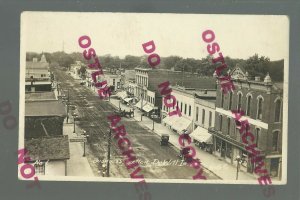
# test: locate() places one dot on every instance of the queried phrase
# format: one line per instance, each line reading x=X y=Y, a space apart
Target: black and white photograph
x=170 y=98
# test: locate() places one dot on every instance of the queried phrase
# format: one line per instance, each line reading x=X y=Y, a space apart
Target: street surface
x=93 y=112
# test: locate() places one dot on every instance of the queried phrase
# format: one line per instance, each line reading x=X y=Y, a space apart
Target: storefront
x=202 y=139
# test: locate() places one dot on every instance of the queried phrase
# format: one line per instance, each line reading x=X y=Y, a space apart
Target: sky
x=121 y=34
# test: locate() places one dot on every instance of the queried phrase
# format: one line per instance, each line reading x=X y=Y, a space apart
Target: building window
x=228 y=150
x=181 y=106
x=259 y=108
x=228 y=126
x=274 y=167
x=210 y=118
x=257 y=130
x=39 y=168
x=190 y=110
x=176 y=104
x=222 y=99
x=239 y=101
x=220 y=122
x=114 y=81
x=275 y=137
x=185 y=108
x=277 y=110
x=203 y=116
x=248 y=110
x=197 y=113
x=230 y=100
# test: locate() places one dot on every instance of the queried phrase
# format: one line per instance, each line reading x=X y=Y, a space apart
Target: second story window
x=210 y=118
x=185 y=108
x=220 y=122
x=259 y=108
x=190 y=110
x=239 y=101
x=181 y=106
x=222 y=99
x=248 y=110
x=197 y=113
x=257 y=130
x=228 y=126
x=230 y=100
x=277 y=110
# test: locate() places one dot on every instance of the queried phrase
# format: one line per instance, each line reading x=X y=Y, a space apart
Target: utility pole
x=68 y=106
x=142 y=96
x=108 y=152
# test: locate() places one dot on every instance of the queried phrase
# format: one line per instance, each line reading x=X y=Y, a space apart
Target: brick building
x=261 y=100
x=147 y=81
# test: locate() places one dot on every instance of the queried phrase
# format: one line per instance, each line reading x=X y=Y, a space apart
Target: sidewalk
x=77 y=164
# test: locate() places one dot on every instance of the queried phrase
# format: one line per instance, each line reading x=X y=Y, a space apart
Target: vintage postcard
x=177 y=98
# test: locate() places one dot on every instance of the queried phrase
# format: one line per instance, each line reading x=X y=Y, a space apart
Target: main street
x=93 y=112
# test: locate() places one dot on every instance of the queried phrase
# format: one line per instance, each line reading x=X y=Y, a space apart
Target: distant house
x=49 y=155
x=44 y=118
x=37 y=75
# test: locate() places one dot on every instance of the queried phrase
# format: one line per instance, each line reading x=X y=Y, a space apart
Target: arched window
x=275 y=138
x=259 y=107
x=220 y=123
x=277 y=110
x=248 y=110
x=239 y=101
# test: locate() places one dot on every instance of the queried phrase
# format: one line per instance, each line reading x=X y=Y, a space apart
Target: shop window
x=274 y=167
x=210 y=118
x=277 y=110
x=228 y=150
x=220 y=122
x=275 y=137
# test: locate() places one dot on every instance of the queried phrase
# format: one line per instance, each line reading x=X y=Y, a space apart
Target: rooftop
x=39 y=96
x=37 y=65
x=48 y=148
x=44 y=108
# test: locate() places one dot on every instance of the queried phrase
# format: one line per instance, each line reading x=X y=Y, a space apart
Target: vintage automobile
x=123 y=113
x=164 y=140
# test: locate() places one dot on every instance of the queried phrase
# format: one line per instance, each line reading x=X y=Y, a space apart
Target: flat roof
x=44 y=108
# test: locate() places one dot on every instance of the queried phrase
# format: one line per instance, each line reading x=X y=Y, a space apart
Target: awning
x=181 y=123
x=147 y=108
x=201 y=134
x=122 y=94
x=169 y=120
x=138 y=104
x=127 y=99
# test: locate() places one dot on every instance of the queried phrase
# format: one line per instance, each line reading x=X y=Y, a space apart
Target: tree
x=257 y=66
x=171 y=61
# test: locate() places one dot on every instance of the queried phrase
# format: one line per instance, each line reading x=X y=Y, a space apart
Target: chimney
x=34 y=59
x=257 y=78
